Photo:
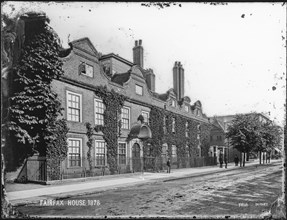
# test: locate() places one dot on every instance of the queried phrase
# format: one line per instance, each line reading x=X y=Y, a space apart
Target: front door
x=136 y=158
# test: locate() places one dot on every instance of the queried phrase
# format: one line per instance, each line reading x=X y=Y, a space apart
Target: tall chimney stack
x=178 y=80
x=138 y=53
x=150 y=80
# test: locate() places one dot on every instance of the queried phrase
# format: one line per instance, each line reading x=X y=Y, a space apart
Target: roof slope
x=121 y=78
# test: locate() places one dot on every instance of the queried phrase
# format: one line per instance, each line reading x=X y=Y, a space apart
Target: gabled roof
x=198 y=103
x=218 y=123
x=186 y=99
x=89 y=47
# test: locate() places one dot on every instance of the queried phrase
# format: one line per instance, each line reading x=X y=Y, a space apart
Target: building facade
x=84 y=70
x=218 y=143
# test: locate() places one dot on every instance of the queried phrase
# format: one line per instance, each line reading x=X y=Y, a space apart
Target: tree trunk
x=240 y=159
x=260 y=154
x=244 y=159
x=247 y=158
x=266 y=157
x=263 y=159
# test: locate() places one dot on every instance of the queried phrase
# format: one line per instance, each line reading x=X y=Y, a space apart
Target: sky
x=234 y=55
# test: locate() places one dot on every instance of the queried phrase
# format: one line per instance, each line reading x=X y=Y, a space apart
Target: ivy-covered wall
x=184 y=135
x=112 y=126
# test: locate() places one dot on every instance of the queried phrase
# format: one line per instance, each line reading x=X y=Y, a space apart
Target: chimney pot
x=138 y=53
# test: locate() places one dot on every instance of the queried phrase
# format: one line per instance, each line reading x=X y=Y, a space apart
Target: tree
x=248 y=133
x=244 y=133
x=30 y=59
x=271 y=135
x=34 y=107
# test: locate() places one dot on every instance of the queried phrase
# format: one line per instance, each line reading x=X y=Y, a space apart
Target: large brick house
x=84 y=69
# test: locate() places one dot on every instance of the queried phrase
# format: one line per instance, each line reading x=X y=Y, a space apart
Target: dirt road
x=249 y=190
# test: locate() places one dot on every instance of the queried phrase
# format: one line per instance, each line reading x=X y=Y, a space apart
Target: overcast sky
x=234 y=55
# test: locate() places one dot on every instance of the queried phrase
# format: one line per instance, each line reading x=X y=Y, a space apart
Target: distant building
x=217 y=139
x=221 y=124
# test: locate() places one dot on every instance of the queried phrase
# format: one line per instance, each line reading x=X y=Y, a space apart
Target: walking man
x=236 y=160
x=221 y=159
x=168 y=165
x=225 y=161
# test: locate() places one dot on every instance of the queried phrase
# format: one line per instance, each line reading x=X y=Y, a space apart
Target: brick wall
x=75 y=82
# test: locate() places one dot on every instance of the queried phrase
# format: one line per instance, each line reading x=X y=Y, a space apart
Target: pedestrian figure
x=221 y=160
x=236 y=160
x=225 y=161
x=168 y=165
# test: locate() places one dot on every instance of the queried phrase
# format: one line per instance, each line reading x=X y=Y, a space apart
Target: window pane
x=139 y=90
x=74 y=154
x=125 y=118
x=99 y=112
x=122 y=153
x=73 y=108
x=100 y=152
x=89 y=70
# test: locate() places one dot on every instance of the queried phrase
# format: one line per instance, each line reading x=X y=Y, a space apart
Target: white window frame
x=129 y=111
x=173 y=103
x=164 y=149
x=186 y=108
x=145 y=112
x=81 y=154
x=173 y=150
x=186 y=129
x=105 y=153
x=81 y=107
x=173 y=125
x=121 y=142
x=198 y=131
x=86 y=68
x=98 y=100
x=137 y=91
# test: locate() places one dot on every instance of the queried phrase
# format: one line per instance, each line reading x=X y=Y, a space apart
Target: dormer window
x=186 y=108
x=173 y=103
x=139 y=90
x=86 y=69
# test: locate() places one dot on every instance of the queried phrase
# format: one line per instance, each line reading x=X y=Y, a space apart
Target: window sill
x=101 y=166
x=75 y=167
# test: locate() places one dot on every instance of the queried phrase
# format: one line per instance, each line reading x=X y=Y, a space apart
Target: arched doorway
x=136 y=157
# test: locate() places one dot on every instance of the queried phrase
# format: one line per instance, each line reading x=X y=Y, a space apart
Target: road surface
x=244 y=191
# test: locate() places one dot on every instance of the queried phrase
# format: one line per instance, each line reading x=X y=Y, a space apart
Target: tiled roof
x=106 y=56
x=121 y=78
x=162 y=97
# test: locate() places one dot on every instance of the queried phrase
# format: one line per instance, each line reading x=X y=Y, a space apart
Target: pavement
x=21 y=194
